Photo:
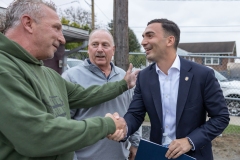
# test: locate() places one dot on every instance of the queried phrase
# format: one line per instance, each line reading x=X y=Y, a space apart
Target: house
x=213 y=54
x=2 y=10
x=3 y=7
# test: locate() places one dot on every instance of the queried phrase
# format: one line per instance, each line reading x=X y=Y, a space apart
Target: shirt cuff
x=126 y=132
x=190 y=141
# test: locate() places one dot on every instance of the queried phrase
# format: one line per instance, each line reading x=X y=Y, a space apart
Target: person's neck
x=166 y=62
x=106 y=70
x=22 y=39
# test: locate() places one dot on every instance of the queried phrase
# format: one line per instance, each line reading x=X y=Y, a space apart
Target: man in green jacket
x=35 y=101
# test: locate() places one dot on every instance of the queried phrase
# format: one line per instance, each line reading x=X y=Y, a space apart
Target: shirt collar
x=89 y=62
x=176 y=64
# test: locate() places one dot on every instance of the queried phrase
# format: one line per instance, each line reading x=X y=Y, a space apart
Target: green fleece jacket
x=35 y=109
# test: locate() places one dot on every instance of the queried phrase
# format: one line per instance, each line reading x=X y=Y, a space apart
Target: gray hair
x=102 y=30
x=18 y=8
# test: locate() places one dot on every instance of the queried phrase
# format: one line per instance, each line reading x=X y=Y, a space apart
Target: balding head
x=101 y=30
x=101 y=48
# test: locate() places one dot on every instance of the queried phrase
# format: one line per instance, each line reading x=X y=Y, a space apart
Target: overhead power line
x=4 y=2
x=209 y=31
x=97 y=7
x=193 y=0
x=68 y=3
x=102 y=11
x=203 y=31
x=216 y=26
x=213 y=26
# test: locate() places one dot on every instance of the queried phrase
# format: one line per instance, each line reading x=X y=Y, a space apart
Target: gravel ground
x=226 y=147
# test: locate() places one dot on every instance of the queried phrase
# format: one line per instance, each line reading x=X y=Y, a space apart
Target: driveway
x=235 y=120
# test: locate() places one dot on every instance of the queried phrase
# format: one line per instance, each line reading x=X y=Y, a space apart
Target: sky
x=199 y=20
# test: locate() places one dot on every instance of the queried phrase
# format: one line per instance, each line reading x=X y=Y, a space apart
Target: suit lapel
x=155 y=91
x=184 y=86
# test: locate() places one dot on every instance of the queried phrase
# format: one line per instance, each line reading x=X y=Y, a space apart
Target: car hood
x=230 y=84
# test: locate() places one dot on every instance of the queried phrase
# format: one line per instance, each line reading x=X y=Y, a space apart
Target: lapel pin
x=186 y=78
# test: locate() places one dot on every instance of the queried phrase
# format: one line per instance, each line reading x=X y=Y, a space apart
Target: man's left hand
x=133 y=152
x=178 y=147
x=131 y=76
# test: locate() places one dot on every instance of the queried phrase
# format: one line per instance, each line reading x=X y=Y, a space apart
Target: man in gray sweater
x=98 y=70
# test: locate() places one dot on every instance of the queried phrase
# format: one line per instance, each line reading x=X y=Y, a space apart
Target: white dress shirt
x=169 y=92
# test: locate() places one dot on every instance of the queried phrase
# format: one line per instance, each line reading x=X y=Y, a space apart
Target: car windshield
x=219 y=76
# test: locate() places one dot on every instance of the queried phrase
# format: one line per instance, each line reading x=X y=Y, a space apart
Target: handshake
x=121 y=127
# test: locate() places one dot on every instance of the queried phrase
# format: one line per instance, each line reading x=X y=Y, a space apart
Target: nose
x=100 y=48
x=144 y=42
x=61 y=38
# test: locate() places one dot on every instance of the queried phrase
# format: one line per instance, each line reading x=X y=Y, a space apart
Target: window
x=211 y=61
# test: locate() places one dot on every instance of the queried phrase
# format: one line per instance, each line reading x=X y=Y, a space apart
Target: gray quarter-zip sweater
x=88 y=74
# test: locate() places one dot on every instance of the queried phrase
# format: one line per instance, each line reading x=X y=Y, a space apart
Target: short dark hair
x=170 y=28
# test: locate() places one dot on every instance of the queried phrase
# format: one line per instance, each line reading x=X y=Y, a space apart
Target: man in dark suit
x=177 y=94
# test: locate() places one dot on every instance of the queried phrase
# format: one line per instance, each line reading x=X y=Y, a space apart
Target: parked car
x=71 y=62
x=231 y=92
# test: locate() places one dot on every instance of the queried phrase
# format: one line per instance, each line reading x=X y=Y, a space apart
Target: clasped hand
x=121 y=127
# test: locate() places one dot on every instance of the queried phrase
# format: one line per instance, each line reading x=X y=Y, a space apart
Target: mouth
x=147 y=50
x=56 y=46
x=99 y=56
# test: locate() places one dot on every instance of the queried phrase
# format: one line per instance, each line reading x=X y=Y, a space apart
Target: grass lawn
x=146 y=118
x=231 y=129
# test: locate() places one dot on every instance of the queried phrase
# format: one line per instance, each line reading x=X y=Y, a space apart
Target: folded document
x=148 y=150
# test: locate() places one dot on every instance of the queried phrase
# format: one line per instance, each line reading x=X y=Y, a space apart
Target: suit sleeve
x=136 y=112
x=214 y=104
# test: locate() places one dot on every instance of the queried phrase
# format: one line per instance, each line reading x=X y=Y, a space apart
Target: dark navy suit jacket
x=199 y=95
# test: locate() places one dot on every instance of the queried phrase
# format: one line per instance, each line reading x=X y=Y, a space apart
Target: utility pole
x=120 y=33
x=93 y=17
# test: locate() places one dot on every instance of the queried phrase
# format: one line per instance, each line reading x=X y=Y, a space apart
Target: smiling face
x=101 y=48
x=47 y=34
x=154 y=41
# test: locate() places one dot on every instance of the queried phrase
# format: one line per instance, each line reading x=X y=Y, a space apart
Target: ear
x=27 y=23
x=87 y=50
x=170 y=41
x=114 y=48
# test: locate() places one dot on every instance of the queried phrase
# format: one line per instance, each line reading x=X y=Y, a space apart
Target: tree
x=65 y=21
x=77 y=16
x=138 y=60
x=134 y=45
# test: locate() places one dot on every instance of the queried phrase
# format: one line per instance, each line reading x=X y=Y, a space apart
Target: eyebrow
x=59 y=26
x=103 y=42
x=149 y=32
